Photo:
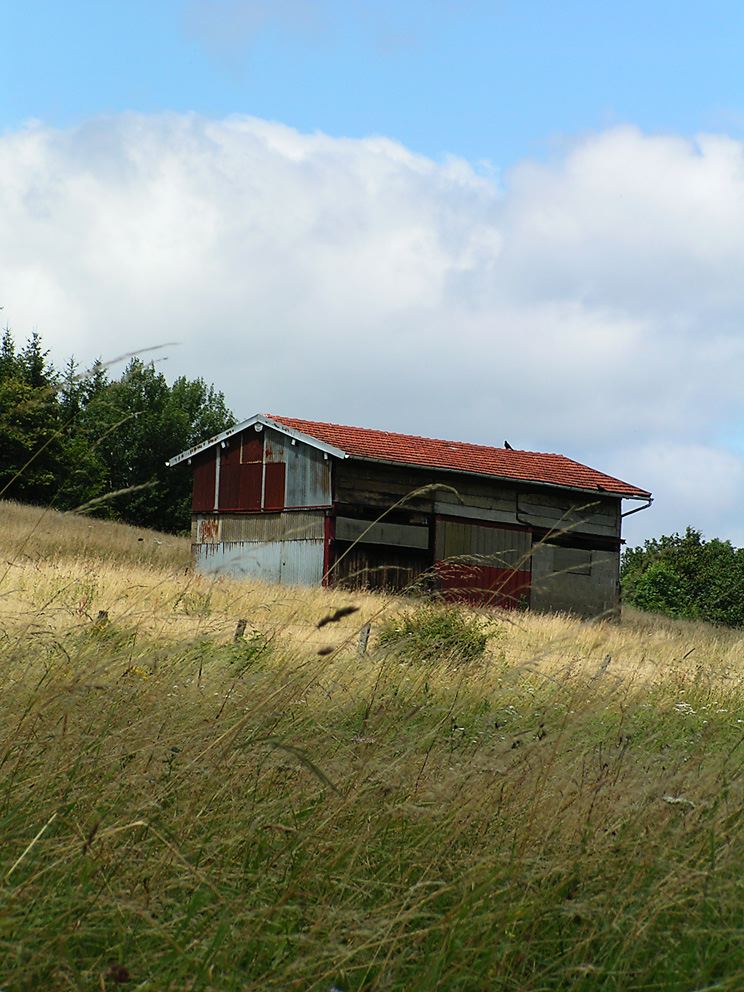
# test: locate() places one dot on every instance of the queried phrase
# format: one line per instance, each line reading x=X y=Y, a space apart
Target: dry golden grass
x=60 y=571
x=563 y=814
x=31 y=533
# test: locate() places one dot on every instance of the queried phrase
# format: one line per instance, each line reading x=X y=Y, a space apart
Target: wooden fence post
x=363 y=639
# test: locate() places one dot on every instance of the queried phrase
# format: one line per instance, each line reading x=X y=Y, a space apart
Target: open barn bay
x=181 y=810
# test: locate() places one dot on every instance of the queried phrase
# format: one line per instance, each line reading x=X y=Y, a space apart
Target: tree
x=8 y=358
x=137 y=423
x=686 y=576
x=74 y=439
x=31 y=449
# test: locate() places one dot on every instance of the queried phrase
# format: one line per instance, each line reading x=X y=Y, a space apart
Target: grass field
x=182 y=812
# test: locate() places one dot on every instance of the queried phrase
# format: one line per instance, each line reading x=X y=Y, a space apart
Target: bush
x=686 y=576
x=430 y=633
x=660 y=590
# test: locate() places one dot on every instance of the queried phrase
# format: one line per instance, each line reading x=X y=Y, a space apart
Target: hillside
x=185 y=812
x=39 y=534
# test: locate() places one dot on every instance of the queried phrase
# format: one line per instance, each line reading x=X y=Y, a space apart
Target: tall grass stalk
x=182 y=811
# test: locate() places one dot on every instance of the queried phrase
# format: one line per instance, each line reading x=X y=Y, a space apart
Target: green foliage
x=74 y=439
x=29 y=422
x=433 y=632
x=197 y=825
x=686 y=576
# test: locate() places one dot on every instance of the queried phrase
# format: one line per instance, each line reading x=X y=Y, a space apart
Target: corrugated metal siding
x=373 y=567
x=308 y=474
x=241 y=473
x=230 y=478
x=265 y=527
x=206 y=530
x=204 y=469
x=479 y=564
x=500 y=547
x=288 y=562
x=482 y=584
x=266 y=471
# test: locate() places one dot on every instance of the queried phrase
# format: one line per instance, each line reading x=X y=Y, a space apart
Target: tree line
x=86 y=441
x=684 y=575
x=74 y=440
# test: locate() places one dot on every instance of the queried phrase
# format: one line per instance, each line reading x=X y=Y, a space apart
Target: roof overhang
x=259 y=421
x=507 y=478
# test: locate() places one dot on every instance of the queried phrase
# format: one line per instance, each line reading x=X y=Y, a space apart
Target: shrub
x=686 y=576
x=660 y=590
x=433 y=632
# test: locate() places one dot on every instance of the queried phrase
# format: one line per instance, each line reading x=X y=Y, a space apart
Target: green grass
x=276 y=823
x=556 y=808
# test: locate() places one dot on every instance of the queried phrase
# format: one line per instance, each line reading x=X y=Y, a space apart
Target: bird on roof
x=508 y=446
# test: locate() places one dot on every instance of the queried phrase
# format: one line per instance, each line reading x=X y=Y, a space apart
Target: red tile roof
x=459 y=456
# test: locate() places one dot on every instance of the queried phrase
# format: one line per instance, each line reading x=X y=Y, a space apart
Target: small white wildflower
x=678 y=801
x=684 y=708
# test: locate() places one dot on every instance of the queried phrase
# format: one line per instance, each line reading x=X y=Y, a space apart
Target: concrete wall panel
x=570 y=580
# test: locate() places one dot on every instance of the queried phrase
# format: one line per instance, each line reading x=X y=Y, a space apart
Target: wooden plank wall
x=467 y=497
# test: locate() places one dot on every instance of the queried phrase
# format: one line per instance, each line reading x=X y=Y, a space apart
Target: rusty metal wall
x=206 y=529
x=265 y=471
x=204 y=471
x=286 y=562
x=482 y=564
x=266 y=527
x=308 y=473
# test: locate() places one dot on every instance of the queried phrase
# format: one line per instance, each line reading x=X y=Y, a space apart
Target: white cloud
x=591 y=305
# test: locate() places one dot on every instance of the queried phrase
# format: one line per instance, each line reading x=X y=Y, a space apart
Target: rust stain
x=209 y=531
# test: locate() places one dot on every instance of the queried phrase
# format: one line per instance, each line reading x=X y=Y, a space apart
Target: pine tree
x=71 y=438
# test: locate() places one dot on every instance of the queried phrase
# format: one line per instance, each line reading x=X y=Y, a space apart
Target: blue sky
x=485 y=80
x=470 y=220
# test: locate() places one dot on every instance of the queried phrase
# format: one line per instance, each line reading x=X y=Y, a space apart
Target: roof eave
x=638 y=494
x=258 y=418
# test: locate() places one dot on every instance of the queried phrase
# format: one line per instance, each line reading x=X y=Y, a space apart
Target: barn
x=301 y=502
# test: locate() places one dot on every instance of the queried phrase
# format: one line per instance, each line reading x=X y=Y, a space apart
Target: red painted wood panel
x=240 y=484
x=204 y=467
x=252 y=447
x=483 y=584
x=251 y=478
x=328 y=555
x=274 y=486
x=230 y=478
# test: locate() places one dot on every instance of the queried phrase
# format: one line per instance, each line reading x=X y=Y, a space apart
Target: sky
x=474 y=220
